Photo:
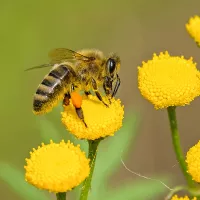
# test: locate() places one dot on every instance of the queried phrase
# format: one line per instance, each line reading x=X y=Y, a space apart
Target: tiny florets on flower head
x=193 y=162
x=193 y=28
x=57 y=167
x=169 y=81
x=182 y=198
x=101 y=121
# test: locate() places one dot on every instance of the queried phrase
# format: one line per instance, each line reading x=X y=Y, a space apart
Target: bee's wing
x=40 y=66
x=60 y=55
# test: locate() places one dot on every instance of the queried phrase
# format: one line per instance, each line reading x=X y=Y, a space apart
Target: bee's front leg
x=117 y=84
x=87 y=93
x=107 y=86
x=87 y=88
x=94 y=85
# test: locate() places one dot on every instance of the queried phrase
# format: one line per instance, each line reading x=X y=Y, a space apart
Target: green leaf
x=142 y=190
x=15 y=179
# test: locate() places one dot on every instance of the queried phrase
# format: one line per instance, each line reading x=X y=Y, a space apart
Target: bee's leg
x=94 y=85
x=67 y=96
x=79 y=112
x=87 y=89
x=116 y=86
x=66 y=99
x=87 y=93
x=107 y=86
x=72 y=88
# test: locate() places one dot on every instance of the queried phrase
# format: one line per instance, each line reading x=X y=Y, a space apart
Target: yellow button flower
x=169 y=81
x=193 y=28
x=182 y=198
x=57 y=167
x=101 y=121
x=193 y=162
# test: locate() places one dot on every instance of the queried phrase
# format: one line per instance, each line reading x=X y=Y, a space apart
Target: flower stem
x=177 y=146
x=93 y=145
x=61 y=196
x=175 y=190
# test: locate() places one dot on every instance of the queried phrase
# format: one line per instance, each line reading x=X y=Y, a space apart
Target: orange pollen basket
x=76 y=99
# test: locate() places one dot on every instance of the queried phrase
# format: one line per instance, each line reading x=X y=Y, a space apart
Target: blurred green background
x=133 y=29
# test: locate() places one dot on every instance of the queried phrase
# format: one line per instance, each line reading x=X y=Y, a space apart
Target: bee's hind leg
x=79 y=112
x=94 y=85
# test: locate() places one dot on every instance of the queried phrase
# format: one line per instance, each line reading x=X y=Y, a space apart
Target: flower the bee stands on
x=102 y=121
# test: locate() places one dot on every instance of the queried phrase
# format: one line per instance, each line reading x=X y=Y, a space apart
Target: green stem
x=61 y=196
x=175 y=190
x=93 y=145
x=177 y=146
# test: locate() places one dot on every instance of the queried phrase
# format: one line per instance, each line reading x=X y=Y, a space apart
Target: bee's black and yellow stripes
x=52 y=88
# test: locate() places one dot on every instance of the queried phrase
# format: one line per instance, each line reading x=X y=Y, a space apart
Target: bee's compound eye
x=111 y=65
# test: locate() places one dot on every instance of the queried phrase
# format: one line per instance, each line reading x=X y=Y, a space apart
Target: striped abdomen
x=53 y=88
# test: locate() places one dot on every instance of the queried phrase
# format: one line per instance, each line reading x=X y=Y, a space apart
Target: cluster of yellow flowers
x=59 y=167
x=101 y=121
x=164 y=81
x=167 y=81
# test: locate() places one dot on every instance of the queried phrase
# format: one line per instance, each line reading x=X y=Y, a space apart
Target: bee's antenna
x=38 y=67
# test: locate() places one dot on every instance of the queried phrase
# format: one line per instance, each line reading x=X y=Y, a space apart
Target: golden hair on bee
x=85 y=70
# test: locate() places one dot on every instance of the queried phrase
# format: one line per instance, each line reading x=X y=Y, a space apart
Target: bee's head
x=112 y=66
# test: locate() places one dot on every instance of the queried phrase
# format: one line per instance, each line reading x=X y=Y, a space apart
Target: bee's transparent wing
x=60 y=55
x=38 y=67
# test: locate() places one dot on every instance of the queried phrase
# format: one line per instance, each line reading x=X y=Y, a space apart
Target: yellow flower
x=193 y=28
x=169 y=81
x=101 y=121
x=182 y=198
x=57 y=167
x=193 y=162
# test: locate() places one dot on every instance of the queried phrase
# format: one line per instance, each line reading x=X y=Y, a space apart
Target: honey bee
x=84 y=70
